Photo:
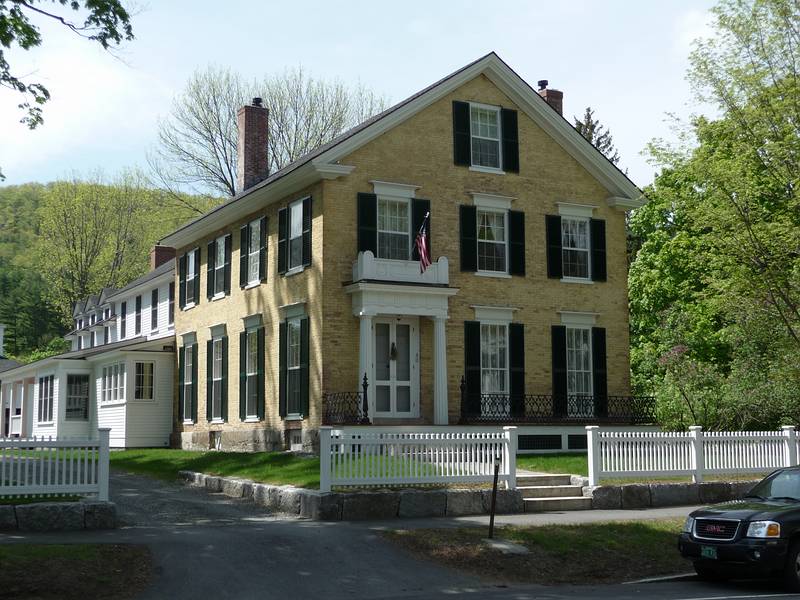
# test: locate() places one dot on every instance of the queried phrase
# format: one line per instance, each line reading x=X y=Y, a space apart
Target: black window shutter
x=307 y=231
x=210 y=270
x=599 y=372
x=209 y=378
x=197 y=276
x=224 y=382
x=516 y=362
x=304 y=334
x=182 y=281
x=260 y=350
x=559 y=352
x=227 y=270
x=508 y=126
x=472 y=369
x=283 y=242
x=282 y=370
x=243 y=376
x=244 y=249
x=553 y=226
x=461 y=134
x=597 y=236
x=469 y=237
x=195 y=382
x=262 y=250
x=181 y=370
x=367 y=223
x=516 y=242
x=419 y=208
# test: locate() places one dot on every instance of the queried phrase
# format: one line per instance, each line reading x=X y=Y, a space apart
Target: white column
x=439 y=372
x=593 y=448
x=365 y=353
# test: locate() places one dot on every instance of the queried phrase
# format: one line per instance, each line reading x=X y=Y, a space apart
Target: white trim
x=495 y=314
x=252 y=420
x=481 y=169
x=583 y=280
x=570 y=209
x=189 y=338
x=188 y=306
x=396 y=190
x=296 y=310
x=218 y=295
x=574 y=318
x=216 y=422
x=331 y=171
x=625 y=204
x=218 y=330
x=498 y=274
x=494 y=201
x=251 y=285
x=252 y=322
x=295 y=270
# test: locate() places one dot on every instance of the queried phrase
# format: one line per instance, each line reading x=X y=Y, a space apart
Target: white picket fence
x=39 y=466
x=379 y=456
x=618 y=454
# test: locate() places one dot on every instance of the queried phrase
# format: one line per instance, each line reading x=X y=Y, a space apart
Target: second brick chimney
x=554 y=98
x=253 y=166
x=159 y=255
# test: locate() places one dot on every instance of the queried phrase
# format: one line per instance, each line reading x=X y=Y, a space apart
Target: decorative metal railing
x=550 y=408
x=346 y=408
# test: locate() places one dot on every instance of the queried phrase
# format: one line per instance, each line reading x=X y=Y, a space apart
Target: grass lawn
x=559 y=554
x=74 y=572
x=574 y=464
x=267 y=467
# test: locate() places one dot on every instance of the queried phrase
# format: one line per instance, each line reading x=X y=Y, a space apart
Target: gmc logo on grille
x=715 y=529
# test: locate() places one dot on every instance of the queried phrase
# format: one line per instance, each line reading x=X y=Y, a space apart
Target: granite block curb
x=58 y=516
x=634 y=496
x=355 y=506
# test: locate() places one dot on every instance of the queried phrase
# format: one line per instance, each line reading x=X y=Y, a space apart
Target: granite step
x=557 y=504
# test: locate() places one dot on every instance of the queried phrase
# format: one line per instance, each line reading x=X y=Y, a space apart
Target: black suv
x=757 y=535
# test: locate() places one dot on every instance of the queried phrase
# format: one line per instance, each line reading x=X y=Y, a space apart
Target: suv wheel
x=791 y=571
x=709 y=572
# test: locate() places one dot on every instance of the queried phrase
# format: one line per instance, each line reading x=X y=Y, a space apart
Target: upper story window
x=394 y=223
x=218 y=269
x=295 y=234
x=219 y=266
x=138 y=317
x=171 y=312
x=492 y=240
x=46 y=399
x=575 y=247
x=576 y=244
x=189 y=278
x=80 y=342
x=92 y=319
x=123 y=320
x=154 y=309
x=254 y=248
x=191 y=272
x=485 y=136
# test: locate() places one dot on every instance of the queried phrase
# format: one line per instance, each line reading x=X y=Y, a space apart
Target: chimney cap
x=543 y=84
x=257 y=102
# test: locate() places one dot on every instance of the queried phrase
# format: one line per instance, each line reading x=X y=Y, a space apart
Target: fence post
x=325 y=458
x=102 y=464
x=593 y=448
x=365 y=401
x=511 y=456
x=790 y=436
x=696 y=433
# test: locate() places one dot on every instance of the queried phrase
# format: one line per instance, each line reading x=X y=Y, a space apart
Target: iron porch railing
x=346 y=408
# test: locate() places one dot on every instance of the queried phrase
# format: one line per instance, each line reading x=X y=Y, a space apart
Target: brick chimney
x=252 y=121
x=554 y=98
x=159 y=255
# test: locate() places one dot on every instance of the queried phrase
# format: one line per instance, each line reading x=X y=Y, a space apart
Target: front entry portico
x=389 y=312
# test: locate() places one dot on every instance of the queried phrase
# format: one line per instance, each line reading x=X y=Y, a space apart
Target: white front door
x=396 y=368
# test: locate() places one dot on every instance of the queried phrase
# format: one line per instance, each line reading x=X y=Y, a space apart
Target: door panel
x=396 y=368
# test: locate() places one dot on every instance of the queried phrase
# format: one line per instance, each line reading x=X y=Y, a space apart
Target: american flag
x=421 y=244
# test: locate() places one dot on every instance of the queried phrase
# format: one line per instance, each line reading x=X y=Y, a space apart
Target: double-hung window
x=492 y=240
x=216 y=379
x=485 y=136
x=191 y=272
x=171 y=313
x=113 y=383
x=188 y=382
x=579 y=361
x=251 y=375
x=494 y=358
x=219 y=266
x=93 y=339
x=253 y=253
x=46 y=399
x=137 y=329
x=293 y=371
x=123 y=321
x=575 y=247
x=143 y=381
x=295 y=234
x=394 y=233
x=77 y=398
x=154 y=309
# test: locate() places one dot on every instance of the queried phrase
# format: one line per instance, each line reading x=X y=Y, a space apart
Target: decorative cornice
x=621 y=203
x=331 y=170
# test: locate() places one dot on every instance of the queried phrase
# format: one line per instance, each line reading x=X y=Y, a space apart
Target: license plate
x=708 y=552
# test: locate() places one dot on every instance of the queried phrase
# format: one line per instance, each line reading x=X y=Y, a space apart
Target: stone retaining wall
x=351 y=506
x=653 y=495
x=58 y=516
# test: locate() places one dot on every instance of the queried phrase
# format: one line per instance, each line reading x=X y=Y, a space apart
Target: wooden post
x=790 y=435
x=325 y=458
x=593 y=449
x=365 y=403
x=696 y=432
x=102 y=464
x=511 y=456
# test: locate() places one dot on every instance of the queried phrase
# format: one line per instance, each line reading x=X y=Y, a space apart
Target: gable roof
x=323 y=162
x=7 y=364
x=166 y=267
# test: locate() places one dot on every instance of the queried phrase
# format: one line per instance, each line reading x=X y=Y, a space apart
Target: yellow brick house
x=303 y=296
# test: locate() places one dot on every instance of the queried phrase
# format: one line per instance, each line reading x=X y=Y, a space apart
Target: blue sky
x=626 y=59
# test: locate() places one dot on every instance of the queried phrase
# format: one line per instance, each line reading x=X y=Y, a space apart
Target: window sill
x=188 y=422
x=45 y=424
x=497 y=274
x=218 y=296
x=576 y=280
x=252 y=420
x=294 y=417
x=251 y=285
x=189 y=306
x=216 y=422
x=479 y=169
x=110 y=403
x=294 y=271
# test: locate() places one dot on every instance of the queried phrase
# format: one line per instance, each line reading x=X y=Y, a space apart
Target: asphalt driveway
x=208 y=545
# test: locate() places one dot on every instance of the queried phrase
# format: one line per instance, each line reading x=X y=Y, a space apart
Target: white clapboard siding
x=49 y=466
x=378 y=456
x=149 y=423
x=696 y=453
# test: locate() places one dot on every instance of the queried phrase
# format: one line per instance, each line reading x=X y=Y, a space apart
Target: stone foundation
x=653 y=495
x=233 y=440
x=58 y=516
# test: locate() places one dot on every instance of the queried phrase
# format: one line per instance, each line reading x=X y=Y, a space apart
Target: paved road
x=207 y=545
